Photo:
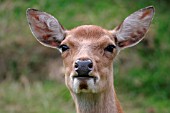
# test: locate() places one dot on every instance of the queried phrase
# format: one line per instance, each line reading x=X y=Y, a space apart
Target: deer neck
x=95 y=103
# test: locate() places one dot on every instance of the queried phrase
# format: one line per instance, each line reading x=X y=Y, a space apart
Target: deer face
x=88 y=51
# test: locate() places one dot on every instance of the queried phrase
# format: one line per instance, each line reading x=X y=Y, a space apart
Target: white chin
x=84 y=85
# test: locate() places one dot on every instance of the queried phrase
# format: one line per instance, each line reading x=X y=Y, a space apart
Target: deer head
x=88 y=51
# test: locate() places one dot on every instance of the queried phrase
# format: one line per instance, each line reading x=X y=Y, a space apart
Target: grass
x=39 y=97
x=141 y=73
x=54 y=97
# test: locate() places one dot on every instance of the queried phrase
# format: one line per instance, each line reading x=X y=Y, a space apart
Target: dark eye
x=63 y=47
x=110 y=48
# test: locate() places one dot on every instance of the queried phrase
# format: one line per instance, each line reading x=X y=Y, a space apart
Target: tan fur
x=89 y=42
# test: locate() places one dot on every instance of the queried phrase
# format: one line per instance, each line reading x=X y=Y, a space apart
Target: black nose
x=83 y=67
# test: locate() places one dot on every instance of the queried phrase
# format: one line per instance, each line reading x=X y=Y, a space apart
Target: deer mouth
x=84 y=84
x=85 y=78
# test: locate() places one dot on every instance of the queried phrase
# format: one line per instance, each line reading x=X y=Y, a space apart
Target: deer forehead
x=89 y=35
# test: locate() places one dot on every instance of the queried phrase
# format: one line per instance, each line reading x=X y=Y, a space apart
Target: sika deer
x=88 y=52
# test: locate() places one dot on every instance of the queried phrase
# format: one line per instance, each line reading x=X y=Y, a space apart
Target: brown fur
x=89 y=42
x=146 y=13
x=88 y=31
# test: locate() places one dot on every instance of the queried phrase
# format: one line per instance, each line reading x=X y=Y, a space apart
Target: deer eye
x=110 y=48
x=63 y=47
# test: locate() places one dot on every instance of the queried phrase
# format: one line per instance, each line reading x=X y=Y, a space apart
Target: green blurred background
x=31 y=76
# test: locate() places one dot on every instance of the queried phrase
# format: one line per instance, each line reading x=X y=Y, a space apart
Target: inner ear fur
x=132 y=30
x=46 y=29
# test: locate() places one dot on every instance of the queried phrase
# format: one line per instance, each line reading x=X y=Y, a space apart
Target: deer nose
x=83 y=67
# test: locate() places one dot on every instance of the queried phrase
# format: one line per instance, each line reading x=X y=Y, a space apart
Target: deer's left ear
x=134 y=27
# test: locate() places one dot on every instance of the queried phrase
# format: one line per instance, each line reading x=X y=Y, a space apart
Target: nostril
x=90 y=65
x=76 y=65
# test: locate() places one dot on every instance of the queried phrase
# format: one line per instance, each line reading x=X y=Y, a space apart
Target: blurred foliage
x=39 y=97
x=142 y=70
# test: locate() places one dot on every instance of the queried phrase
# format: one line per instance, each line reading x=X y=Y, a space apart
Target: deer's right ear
x=46 y=29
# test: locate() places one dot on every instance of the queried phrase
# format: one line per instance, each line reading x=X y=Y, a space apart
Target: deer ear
x=46 y=29
x=134 y=27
